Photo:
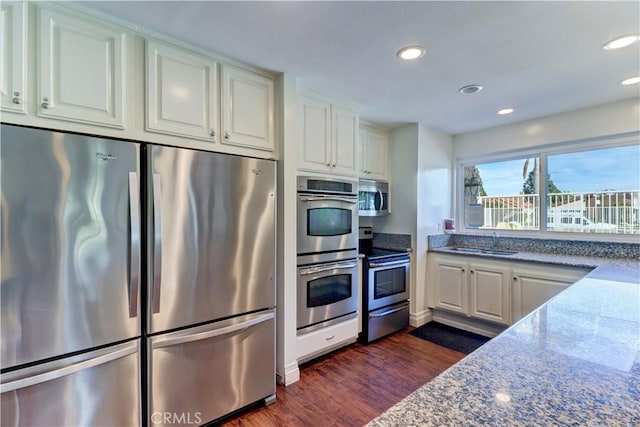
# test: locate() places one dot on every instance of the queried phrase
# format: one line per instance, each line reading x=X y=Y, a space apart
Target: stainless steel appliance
x=327 y=289
x=327 y=252
x=71 y=250
x=373 y=198
x=210 y=287
x=327 y=215
x=385 y=287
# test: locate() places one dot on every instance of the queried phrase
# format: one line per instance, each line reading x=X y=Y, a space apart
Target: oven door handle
x=350 y=200
x=312 y=270
x=388 y=312
x=389 y=264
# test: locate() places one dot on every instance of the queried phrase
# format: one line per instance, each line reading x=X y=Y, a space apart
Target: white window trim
x=542 y=152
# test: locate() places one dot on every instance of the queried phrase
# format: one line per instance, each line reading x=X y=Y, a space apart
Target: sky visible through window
x=588 y=171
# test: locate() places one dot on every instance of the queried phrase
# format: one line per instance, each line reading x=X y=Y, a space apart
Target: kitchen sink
x=483 y=251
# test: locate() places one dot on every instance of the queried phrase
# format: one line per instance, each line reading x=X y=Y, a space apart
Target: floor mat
x=447 y=336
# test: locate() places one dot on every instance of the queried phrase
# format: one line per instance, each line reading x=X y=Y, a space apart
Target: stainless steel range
x=385 y=287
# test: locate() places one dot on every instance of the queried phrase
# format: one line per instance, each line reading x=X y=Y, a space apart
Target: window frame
x=542 y=152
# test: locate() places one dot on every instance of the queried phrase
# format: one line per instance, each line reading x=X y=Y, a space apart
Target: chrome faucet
x=494 y=246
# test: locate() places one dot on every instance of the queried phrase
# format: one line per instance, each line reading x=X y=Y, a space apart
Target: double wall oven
x=327 y=252
x=385 y=289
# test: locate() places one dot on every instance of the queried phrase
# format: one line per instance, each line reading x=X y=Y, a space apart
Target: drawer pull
x=330 y=338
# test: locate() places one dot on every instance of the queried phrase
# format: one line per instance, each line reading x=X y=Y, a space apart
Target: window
x=502 y=195
x=589 y=191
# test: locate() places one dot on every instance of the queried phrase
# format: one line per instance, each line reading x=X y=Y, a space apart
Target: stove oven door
x=388 y=282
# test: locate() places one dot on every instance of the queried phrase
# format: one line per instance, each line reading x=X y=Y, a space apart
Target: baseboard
x=291 y=375
x=419 y=319
x=471 y=325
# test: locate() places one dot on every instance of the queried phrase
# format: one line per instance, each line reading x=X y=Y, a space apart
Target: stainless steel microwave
x=373 y=198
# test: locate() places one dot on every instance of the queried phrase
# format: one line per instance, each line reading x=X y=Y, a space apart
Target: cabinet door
x=13 y=48
x=344 y=132
x=315 y=132
x=182 y=94
x=81 y=73
x=376 y=155
x=451 y=291
x=489 y=288
x=530 y=292
x=247 y=109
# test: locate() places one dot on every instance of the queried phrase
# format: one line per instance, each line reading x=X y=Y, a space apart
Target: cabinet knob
x=45 y=102
x=212 y=133
x=333 y=165
x=16 y=98
x=328 y=165
x=462 y=269
x=226 y=135
x=471 y=271
x=515 y=278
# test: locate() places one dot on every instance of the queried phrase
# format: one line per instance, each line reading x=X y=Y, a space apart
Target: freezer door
x=200 y=374
x=69 y=247
x=100 y=388
x=211 y=236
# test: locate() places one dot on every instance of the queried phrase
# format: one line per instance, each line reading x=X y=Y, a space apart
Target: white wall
x=286 y=340
x=435 y=174
x=608 y=119
x=421 y=161
x=403 y=163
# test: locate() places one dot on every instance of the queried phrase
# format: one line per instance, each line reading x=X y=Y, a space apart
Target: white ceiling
x=540 y=58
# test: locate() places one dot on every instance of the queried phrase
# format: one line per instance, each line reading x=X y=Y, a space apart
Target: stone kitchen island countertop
x=573 y=361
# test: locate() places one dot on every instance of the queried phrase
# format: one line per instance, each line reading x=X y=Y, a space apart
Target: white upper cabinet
x=344 y=158
x=314 y=151
x=247 y=109
x=374 y=152
x=328 y=137
x=81 y=75
x=182 y=93
x=13 y=45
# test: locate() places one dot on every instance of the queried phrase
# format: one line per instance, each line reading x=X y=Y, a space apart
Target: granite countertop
x=573 y=361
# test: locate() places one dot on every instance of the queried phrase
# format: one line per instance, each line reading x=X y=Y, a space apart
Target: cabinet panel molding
x=82 y=71
x=182 y=93
x=13 y=47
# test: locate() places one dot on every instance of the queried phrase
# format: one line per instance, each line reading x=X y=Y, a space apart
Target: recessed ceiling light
x=630 y=81
x=410 y=53
x=469 y=89
x=506 y=111
x=620 y=42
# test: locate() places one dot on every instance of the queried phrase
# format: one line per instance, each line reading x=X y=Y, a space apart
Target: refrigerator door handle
x=174 y=340
x=68 y=370
x=157 y=242
x=134 y=211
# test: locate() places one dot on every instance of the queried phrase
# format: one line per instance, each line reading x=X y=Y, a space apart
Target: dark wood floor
x=351 y=386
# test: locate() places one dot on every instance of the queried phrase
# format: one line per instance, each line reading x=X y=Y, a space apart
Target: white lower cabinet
x=321 y=341
x=472 y=289
x=501 y=292
x=531 y=289
x=490 y=291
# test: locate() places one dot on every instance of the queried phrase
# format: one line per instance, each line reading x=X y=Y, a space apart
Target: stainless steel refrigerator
x=81 y=248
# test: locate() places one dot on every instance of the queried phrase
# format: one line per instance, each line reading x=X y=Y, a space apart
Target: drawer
x=324 y=340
